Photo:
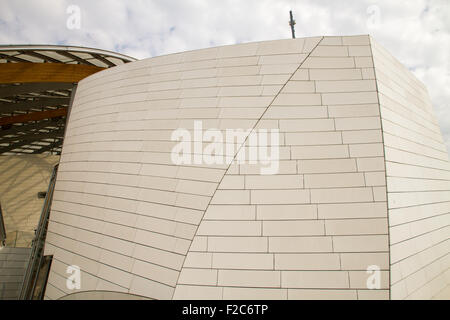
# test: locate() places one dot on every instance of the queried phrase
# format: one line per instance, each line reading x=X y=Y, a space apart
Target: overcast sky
x=417 y=32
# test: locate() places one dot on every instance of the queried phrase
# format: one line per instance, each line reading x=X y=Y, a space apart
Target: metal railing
x=37 y=249
x=2 y=229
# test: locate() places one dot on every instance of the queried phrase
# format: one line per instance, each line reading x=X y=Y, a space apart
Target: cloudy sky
x=417 y=32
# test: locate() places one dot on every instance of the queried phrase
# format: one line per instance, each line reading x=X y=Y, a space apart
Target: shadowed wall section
x=45 y=72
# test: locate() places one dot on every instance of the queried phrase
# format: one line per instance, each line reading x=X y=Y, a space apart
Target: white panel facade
x=418 y=180
x=136 y=222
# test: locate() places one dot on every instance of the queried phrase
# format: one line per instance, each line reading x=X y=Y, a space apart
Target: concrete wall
x=13 y=264
x=418 y=182
x=137 y=223
x=22 y=177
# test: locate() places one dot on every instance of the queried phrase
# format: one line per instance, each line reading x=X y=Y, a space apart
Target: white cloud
x=416 y=32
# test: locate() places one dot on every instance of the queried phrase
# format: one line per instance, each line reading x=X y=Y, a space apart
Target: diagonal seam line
x=239 y=149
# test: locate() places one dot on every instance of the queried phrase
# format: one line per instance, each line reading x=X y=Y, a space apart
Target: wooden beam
x=34 y=116
x=30 y=128
x=45 y=72
x=13 y=90
x=8 y=107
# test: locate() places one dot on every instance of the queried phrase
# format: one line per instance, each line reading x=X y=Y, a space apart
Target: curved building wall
x=418 y=180
x=136 y=222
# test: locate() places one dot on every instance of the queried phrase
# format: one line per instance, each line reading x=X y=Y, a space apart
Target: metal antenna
x=292 y=24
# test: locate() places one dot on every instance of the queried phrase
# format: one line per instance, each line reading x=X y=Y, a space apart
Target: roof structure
x=36 y=84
